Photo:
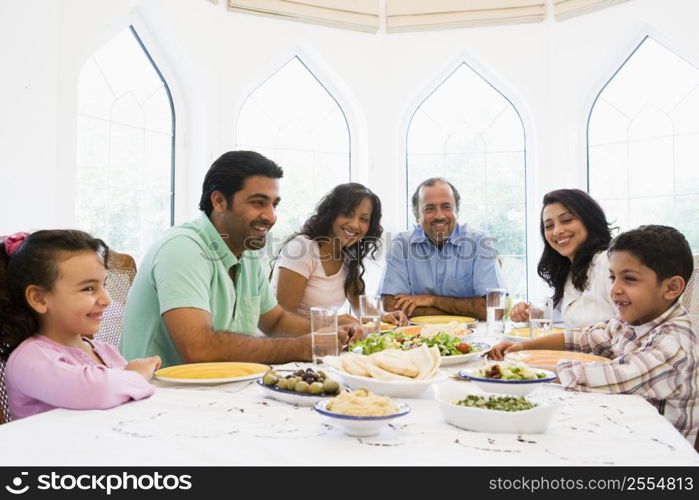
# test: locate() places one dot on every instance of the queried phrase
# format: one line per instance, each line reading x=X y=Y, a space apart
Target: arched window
x=469 y=133
x=292 y=119
x=125 y=146
x=643 y=142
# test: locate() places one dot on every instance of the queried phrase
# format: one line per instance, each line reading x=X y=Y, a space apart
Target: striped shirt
x=656 y=360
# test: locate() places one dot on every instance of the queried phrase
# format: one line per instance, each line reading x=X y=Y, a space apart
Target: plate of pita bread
x=392 y=372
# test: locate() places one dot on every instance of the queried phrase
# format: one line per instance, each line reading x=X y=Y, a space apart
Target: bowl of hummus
x=361 y=413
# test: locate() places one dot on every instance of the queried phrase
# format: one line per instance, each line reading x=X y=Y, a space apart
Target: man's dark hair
x=429 y=183
x=228 y=174
x=661 y=248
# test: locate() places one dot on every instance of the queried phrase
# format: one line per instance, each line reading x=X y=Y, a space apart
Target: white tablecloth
x=236 y=424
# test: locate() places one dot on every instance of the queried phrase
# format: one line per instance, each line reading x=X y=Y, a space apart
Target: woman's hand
x=498 y=351
x=397 y=317
x=144 y=366
x=346 y=319
x=350 y=333
x=520 y=312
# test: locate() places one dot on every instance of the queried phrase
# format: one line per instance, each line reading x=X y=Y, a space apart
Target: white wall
x=212 y=58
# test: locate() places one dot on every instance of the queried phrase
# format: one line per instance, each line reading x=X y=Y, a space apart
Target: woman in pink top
x=323 y=264
x=51 y=295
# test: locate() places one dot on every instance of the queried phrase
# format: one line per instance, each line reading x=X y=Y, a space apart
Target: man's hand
x=408 y=303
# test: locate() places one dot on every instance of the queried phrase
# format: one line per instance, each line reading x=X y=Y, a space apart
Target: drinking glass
x=540 y=317
x=495 y=304
x=324 y=335
x=370 y=309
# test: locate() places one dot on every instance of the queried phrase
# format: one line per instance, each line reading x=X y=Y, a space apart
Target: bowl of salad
x=494 y=413
x=507 y=378
x=453 y=350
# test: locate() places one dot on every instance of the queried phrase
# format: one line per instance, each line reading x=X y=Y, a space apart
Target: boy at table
x=652 y=347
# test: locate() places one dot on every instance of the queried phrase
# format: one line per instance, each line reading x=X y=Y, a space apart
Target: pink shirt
x=41 y=375
x=302 y=256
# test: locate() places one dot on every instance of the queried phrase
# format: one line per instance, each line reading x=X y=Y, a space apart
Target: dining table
x=238 y=424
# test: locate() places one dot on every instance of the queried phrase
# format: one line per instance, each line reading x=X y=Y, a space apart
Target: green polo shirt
x=188 y=267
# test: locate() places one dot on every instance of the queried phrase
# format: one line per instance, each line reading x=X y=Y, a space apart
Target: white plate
x=361 y=426
x=393 y=388
x=534 y=421
x=510 y=387
x=463 y=358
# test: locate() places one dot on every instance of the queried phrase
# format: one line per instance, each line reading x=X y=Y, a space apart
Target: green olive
x=321 y=375
x=281 y=384
x=269 y=379
x=301 y=386
x=330 y=386
x=316 y=388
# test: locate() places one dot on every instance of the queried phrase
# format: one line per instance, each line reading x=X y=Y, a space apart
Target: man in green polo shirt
x=200 y=294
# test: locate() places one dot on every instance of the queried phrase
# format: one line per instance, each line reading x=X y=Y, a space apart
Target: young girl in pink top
x=51 y=295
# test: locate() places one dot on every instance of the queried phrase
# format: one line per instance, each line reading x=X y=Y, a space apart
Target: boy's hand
x=144 y=366
x=498 y=351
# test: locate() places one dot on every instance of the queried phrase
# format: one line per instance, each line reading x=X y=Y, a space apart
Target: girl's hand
x=520 y=312
x=397 y=317
x=144 y=366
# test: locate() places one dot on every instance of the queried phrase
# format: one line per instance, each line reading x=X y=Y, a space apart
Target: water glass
x=495 y=305
x=540 y=317
x=324 y=334
x=370 y=312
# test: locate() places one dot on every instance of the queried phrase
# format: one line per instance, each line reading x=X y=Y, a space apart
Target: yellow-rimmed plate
x=441 y=320
x=548 y=359
x=211 y=373
x=523 y=333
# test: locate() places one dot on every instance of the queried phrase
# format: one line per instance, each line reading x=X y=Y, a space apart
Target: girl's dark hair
x=35 y=262
x=344 y=199
x=554 y=267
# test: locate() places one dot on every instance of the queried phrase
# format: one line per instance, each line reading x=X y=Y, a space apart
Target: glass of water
x=540 y=317
x=324 y=335
x=495 y=304
x=370 y=312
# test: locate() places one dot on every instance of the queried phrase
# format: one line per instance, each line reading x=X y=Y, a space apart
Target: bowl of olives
x=300 y=387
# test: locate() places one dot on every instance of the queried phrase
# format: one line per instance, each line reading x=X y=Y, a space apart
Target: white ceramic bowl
x=463 y=358
x=360 y=426
x=393 y=388
x=291 y=397
x=534 y=421
x=510 y=387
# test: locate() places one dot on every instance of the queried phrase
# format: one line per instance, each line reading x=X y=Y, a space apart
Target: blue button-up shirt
x=465 y=266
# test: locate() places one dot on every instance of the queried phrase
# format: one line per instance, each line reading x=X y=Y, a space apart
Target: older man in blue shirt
x=440 y=267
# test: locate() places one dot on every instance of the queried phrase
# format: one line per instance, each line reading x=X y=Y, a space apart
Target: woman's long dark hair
x=35 y=262
x=344 y=199
x=554 y=267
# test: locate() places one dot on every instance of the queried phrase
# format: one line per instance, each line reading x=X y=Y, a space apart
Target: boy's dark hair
x=661 y=248
x=429 y=183
x=228 y=173
x=35 y=262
